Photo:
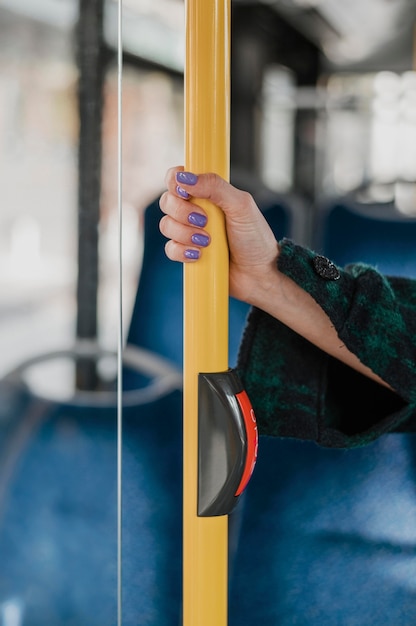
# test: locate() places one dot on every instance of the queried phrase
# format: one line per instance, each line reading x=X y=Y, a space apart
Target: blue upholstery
x=58 y=549
x=328 y=536
x=374 y=234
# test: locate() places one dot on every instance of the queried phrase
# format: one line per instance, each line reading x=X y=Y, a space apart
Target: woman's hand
x=253 y=247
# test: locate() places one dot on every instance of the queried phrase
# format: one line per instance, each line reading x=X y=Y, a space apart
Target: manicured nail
x=191 y=254
x=181 y=192
x=200 y=240
x=197 y=219
x=187 y=178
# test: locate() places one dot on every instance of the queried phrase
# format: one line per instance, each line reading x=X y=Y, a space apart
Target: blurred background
x=41 y=174
x=323 y=134
x=323 y=105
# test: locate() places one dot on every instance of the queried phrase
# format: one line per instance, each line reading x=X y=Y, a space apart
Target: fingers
x=183 y=224
x=184 y=221
x=184 y=234
x=178 y=252
x=182 y=211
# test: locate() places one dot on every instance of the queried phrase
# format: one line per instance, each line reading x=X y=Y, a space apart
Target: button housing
x=227 y=442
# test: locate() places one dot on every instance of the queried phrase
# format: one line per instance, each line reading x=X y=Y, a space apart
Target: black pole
x=90 y=60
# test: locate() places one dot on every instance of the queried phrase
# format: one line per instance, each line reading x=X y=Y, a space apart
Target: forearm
x=283 y=299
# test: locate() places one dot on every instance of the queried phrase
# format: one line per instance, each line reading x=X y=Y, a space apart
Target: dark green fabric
x=299 y=391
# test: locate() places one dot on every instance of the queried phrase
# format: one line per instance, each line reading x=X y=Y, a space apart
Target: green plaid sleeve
x=299 y=391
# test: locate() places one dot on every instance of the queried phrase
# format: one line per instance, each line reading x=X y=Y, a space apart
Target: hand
x=253 y=247
x=254 y=277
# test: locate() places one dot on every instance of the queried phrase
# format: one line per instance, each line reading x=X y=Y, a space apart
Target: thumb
x=236 y=204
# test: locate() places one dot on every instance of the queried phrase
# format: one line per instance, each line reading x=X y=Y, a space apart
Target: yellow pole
x=207 y=104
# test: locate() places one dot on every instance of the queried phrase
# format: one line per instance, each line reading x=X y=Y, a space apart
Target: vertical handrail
x=207 y=110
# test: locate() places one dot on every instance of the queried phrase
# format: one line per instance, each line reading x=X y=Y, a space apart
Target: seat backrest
x=58 y=517
x=375 y=234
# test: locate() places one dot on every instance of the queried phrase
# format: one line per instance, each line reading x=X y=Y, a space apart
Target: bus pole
x=207 y=131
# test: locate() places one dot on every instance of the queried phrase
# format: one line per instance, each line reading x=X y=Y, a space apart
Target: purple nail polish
x=191 y=254
x=200 y=240
x=197 y=219
x=187 y=178
x=182 y=193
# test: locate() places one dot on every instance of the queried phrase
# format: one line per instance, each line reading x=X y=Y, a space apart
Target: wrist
x=265 y=284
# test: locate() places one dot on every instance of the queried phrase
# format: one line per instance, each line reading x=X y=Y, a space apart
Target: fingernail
x=197 y=219
x=181 y=192
x=200 y=240
x=187 y=178
x=191 y=254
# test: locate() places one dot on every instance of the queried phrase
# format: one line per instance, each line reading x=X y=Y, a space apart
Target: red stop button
x=252 y=439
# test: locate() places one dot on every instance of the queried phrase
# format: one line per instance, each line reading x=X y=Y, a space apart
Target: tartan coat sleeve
x=299 y=391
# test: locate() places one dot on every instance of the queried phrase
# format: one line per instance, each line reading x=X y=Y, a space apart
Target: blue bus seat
x=377 y=234
x=328 y=537
x=58 y=508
